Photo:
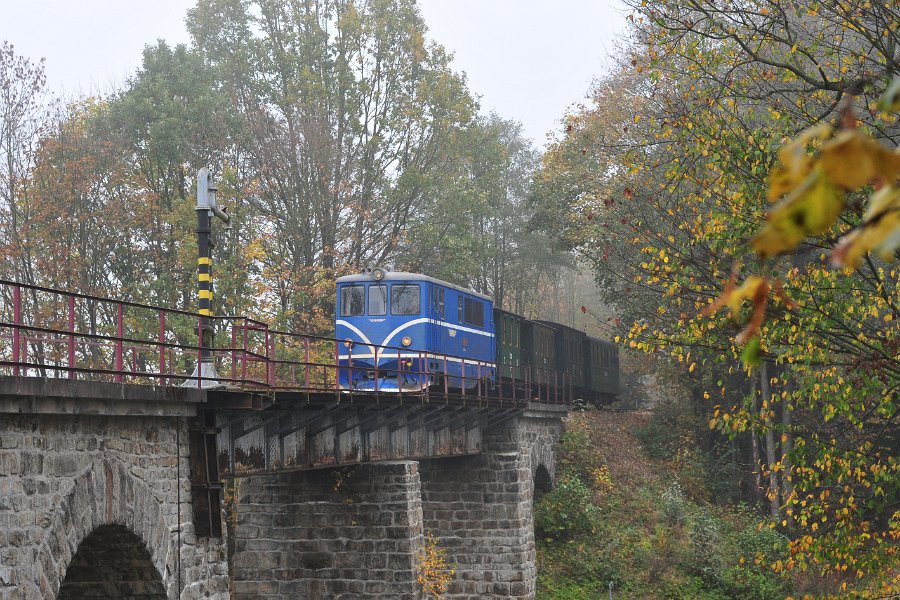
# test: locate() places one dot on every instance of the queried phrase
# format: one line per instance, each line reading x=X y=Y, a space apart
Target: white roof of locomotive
x=400 y=276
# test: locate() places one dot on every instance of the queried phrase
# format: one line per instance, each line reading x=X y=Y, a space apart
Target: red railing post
x=462 y=370
x=120 y=318
x=270 y=358
x=337 y=361
x=423 y=375
x=399 y=374
x=446 y=378
x=349 y=369
x=234 y=326
x=162 y=347
x=513 y=382
x=200 y=352
x=556 y=387
x=245 y=341
x=375 y=371
x=71 y=337
x=306 y=362
x=478 y=382
x=17 y=320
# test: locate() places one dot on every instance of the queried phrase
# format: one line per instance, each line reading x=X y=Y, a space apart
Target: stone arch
x=112 y=562
x=543 y=456
x=106 y=494
x=543 y=483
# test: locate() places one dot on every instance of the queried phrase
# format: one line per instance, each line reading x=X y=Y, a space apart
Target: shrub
x=674 y=504
x=706 y=540
x=752 y=578
x=566 y=510
x=433 y=573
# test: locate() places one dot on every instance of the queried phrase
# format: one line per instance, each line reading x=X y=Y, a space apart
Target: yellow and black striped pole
x=204 y=283
x=206 y=208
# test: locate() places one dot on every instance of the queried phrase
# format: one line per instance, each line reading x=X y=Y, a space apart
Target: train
x=408 y=332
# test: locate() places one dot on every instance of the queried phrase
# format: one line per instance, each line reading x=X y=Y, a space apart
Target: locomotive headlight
x=378 y=274
x=406 y=341
x=349 y=343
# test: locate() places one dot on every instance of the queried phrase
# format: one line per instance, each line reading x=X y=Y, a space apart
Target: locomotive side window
x=473 y=312
x=377 y=300
x=405 y=299
x=353 y=301
x=437 y=301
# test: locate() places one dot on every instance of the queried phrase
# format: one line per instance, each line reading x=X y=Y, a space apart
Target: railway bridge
x=135 y=463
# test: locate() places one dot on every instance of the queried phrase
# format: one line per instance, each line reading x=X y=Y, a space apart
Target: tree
x=664 y=178
x=473 y=231
x=171 y=120
x=22 y=118
x=348 y=113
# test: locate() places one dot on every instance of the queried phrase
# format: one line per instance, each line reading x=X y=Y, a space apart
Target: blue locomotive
x=407 y=332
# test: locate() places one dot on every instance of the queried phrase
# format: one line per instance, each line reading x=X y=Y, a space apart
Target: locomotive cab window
x=405 y=299
x=377 y=300
x=353 y=301
x=473 y=312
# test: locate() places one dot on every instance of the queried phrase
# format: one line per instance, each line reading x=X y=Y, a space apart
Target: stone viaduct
x=104 y=493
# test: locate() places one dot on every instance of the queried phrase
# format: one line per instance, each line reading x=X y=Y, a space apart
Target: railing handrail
x=252 y=346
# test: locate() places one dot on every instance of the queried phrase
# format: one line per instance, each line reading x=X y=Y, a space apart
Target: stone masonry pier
x=357 y=532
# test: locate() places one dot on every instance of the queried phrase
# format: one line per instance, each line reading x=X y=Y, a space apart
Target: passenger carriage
x=407 y=332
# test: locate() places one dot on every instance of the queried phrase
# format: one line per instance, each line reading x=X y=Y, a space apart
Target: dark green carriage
x=602 y=369
x=539 y=352
x=508 y=329
x=569 y=350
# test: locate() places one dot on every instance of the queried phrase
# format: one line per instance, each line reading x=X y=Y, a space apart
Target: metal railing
x=52 y=333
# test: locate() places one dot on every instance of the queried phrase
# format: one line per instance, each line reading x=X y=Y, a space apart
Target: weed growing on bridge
x=434 y=573
x=342 y=477
x=231 y=494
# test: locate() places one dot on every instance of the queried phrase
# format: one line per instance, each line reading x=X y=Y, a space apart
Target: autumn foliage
x=743 y=156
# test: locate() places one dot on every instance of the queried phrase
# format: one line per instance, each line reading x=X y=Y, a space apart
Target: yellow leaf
x=809 y=209
x=852 y=160
x=746 y=291
x=794 y=162
x=879 y=232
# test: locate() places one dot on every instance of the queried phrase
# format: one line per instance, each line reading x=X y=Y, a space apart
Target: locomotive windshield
x=377 y=300
x=353 y=301
x=405 y=299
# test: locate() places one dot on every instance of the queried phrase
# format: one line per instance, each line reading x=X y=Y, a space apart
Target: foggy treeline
x=339 y=136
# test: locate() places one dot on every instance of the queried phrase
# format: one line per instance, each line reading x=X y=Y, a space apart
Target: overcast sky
x=527 y=59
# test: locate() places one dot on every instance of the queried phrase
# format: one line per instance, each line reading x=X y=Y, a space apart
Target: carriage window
x=377 y=300
x=474 y=312
x=405 y=300
x=353 y=300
